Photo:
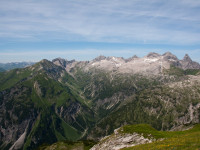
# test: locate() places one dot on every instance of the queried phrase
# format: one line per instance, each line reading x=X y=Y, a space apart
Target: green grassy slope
x=10 y=78
x=53 y=97
x=179 y=140
x=54 y=112
x=180 y=72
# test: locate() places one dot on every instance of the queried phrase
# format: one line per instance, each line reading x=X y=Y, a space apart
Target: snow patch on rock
x=20 y=142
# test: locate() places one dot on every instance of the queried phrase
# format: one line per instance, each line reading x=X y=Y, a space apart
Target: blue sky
x=31 y=30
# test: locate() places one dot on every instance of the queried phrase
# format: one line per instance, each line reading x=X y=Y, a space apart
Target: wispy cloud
x=136 y=21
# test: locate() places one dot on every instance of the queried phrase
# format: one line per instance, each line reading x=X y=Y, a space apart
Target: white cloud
x=136 y=21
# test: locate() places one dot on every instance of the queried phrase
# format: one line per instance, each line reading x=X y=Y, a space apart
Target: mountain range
x=13 y=65
x=72 y=100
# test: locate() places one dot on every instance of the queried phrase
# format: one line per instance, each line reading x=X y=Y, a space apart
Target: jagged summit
x=169 y=56
x=153 y=55
x=115 y=59
x=132 y=58
x=60 y=61
x=44 y=61
x=99 y=58
x=187 y=58
x=187 y=63
x=45 y=65
x=153 y=63
x=63 y=62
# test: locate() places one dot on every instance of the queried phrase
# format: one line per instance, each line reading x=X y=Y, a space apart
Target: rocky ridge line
x=119 y=140
x=153 y=63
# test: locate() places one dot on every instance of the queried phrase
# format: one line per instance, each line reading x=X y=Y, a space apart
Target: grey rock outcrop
x=153 y=55
x=119 y=140
x=60 y=62
x=99 y=58
x=187 y=63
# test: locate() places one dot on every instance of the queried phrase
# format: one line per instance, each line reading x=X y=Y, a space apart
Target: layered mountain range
x=153 y=63
x=59 y=100
x=13 y=65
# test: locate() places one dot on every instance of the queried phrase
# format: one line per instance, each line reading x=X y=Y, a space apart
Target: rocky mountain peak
x=99 y=58
x=135 y=56
x=187 y=58
x=132 y=58
x=59 y=59
x=44 y=63
x=187 y=63
x=115 y=59
x=60 y=62
x=153 y=55
x=169 y=56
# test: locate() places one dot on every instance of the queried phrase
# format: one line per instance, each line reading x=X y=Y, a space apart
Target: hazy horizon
x=92 y=58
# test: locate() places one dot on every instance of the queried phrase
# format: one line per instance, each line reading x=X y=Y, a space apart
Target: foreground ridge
x=143 y=136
